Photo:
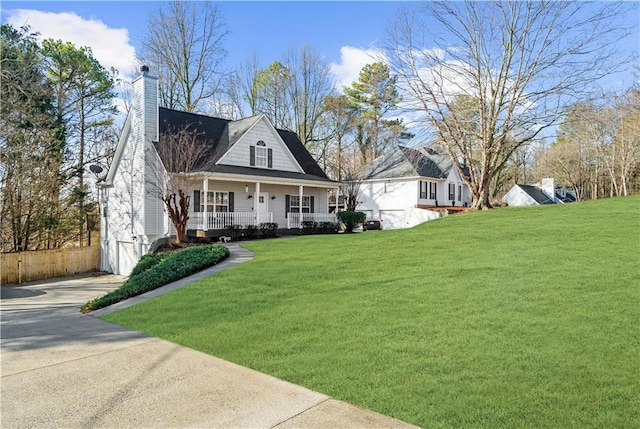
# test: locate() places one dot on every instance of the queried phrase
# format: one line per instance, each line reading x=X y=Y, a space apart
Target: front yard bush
x=158 y=270
x=351 y=219
x=309 y=227
x=233 y=231
x=313 y=227
x=328 y=227
x=268 y=229
x=250 y=231
x=148 y=261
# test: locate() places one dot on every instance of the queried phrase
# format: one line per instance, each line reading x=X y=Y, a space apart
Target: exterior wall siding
x=455 y=178
x=239 y=154
x=151 y=109
x=398 y=198
x=518 y=197
x=130 y=200
x=156 y=219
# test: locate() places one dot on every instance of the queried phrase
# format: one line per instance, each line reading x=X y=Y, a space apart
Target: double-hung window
x=261 y=154
x=210 y=196
x=452 y=191
x=221 y=202
x=295 y=204
x=433 y=190
x=459 y=192
x=423 y=190
x=216 y=201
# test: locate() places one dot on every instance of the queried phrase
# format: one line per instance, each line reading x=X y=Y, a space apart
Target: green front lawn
x=509 y=318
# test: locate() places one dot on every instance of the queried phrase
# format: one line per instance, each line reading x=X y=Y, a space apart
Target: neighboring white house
x=252 y=173
x=545 y=192
x=409 y=186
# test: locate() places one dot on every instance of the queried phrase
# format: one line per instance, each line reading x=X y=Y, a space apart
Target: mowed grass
x=514 y=318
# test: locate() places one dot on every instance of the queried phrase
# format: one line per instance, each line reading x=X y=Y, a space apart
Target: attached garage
x=392 y=219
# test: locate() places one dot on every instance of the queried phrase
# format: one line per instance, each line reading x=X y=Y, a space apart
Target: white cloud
x=352 y=60
x=110 y=46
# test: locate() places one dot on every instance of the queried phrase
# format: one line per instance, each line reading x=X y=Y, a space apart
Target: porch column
x=300 y=193
x=205 y=217
x=256 y=204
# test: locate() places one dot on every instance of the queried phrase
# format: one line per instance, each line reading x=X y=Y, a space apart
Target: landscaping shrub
x=328 y=227
x=351 y=219
x=309 y=226
x=159 y=270
x=233 y=231
x=268 y=229
x=148 y=261
x=250 y=231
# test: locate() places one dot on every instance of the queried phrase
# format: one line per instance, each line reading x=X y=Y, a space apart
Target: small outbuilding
x=545 y=192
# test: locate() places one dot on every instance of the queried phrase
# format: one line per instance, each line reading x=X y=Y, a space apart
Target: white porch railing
x=294 y=221
x=220 y=220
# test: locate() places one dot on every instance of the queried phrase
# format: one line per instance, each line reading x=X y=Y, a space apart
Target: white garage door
x=392 y=219
x=126 y=258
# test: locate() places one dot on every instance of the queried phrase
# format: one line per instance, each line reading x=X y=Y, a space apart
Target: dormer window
x=260 y=155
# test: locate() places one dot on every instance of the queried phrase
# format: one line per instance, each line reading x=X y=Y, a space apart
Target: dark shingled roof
x=537 y=194
x=409 y=162
x=220 y=135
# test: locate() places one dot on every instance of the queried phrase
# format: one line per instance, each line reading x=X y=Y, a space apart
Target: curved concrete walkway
x=61 y=368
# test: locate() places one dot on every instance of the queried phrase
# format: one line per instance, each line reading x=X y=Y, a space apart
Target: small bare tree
x=352 y=180
x=178 y=153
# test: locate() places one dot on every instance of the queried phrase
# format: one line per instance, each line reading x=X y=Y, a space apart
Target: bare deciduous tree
x=598 y=147
x=178 y=153
x=310 y=84
x=339 y=120
x=626 y=141
x=524 y=62
x=185 y=47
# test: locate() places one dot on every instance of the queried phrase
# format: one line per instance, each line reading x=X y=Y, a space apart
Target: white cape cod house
x=409 y=186
x=252 y=173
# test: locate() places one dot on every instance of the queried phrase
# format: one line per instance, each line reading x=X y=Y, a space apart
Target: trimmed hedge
x=153 y=271
x=313 y=227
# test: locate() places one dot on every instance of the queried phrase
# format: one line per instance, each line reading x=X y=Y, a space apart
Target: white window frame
x=212 y=202
x=224 y=202
x=294 y=206
x=261 y=156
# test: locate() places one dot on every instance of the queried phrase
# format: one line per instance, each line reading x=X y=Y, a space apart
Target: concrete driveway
x=61 y=368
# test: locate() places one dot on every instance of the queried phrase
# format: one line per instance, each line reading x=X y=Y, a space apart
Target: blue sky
x=343 y=32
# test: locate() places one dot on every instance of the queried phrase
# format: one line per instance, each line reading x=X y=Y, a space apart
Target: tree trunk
x=481 y=195
x=178 y=208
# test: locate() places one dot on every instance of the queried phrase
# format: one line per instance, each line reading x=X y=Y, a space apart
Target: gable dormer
x=254 y=142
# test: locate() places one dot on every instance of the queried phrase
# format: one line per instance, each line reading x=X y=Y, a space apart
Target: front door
x=263 y=207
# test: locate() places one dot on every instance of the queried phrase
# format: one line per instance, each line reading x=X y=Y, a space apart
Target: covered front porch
x=221 y=220
x=219 y=203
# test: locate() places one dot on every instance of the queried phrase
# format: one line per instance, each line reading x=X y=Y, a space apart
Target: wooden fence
x=46 y=264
